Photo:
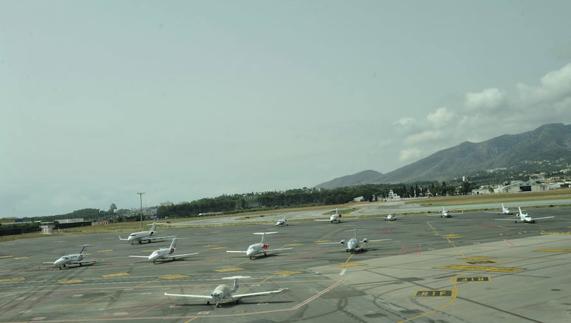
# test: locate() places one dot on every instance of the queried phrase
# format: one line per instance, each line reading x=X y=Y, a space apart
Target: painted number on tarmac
x=473 y=279
x=433 y=293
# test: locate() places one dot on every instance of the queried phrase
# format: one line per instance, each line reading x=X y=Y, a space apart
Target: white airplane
x=391 y=217
x=335 y=217
x=225 y=294
x=503 y=210
x=526 y=218
x=165 y=254
x=353 y=245
x=260 y=248
x=147 y=236
x=281 y=222
x=75 y=259
x=445 y=213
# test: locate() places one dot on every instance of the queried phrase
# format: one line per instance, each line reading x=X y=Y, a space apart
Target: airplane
x=225 y=294
x=391 y=217
x=353 y=245
x=148 y=236
x=165 y=254
x=503 y=210
x=445 y=214
x=281 y=222
x=259 y=248
x=526 y=218
x=72 y=259
x=335 y=217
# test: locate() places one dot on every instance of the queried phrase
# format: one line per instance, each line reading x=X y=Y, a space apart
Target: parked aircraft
x=145 y=236
x=445 y=213
x=526 y=218
x=75 y=259
x=225 y=294
x=503 y=210
x=166 y=254
x=391 y=217
x=260 y=248
x=335 y=217
x=281 y=222
x=354 y=245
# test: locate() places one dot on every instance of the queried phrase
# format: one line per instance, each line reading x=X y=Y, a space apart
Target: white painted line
x=342 y=272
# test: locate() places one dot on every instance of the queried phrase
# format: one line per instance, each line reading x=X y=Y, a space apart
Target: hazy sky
x=188 y=99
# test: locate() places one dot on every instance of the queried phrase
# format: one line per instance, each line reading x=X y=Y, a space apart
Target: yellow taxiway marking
x=173 y=277
x=297 y=244
x=105 y=250
x=69 y=281
x=228 y=269
x=453 y=236
x=286 y=273
x=484 y=268
x=477 y=258
x=473 y=279
x=12 y=280
x=452 y=300
x=4 y=257
x=562 y=250
x=122 y=274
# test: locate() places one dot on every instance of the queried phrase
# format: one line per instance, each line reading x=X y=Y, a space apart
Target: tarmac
x=469 y=268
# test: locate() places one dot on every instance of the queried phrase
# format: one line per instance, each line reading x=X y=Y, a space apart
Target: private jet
x=145 y=236
x=445 y=213
x=354 y=245
x=391 y=217
x=526 y=218
x=75 y=259
x=166 y=254
x=281 y=222
x=260 y=248
x=335 y=217
x=503 y=211
x=223 y=293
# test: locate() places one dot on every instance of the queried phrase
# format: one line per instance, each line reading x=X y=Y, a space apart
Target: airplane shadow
x=232 y=304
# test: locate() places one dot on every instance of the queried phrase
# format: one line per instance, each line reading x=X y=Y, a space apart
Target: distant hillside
x=364 y=177
x=549 y=142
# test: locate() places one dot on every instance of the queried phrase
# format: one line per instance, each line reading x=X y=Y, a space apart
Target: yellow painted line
x=294 y=245
x=122 y=274
x=5 y=257
x=322 y=241
x=286 y=273
x=453 y=236
x=173 y=277
x=105 y=250
x=12 y=280
x=484 y=268
x=19 y=258
x=228 y=269
x=69 y=281
x=562 y=250
x=477 y=258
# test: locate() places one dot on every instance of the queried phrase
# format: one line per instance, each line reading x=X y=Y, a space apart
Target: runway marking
x=6 y=257
x=452 y=300
x=12 y=280
x=69 y=281
x=453 y=236
x=286 y=273
x=322 y=241
x=484 y=268
x=173 y=277
x=433 y=293
x=228 y=269
x=562 y=250
x=297 y=244
x=216 y=248
x=121 y=274
x=20 y=258
x=105 y=250
x=343 y=272
x=473 y=279
x=550 y=233
x=477 y=258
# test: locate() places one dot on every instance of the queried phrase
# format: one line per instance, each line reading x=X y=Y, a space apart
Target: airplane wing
x=507 y=219
x=139 y=256
x=123 y=239
x=259 y=293
x=322 y=220
x=235 y=251
x=543 y=218
x=330 y=243
x=189 y=296
x=378 y=240
x=182 y=255
x=278 y=249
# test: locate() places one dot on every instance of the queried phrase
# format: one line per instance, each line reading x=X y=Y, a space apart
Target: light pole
x=141 y=200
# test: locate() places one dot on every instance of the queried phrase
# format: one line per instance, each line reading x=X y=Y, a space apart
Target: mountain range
x=549 y=142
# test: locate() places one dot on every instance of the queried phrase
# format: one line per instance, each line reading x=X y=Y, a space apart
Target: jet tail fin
x=173 y=245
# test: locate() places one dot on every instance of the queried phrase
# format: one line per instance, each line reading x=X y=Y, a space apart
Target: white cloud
x=410 y=154
x=427 y=135
x=487 y=99
x=405 y=122
x=440 y=117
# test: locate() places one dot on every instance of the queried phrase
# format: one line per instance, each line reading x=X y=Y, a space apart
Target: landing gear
x=218 y=305
x=265 y=254
x=207 y=302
